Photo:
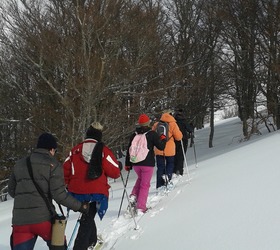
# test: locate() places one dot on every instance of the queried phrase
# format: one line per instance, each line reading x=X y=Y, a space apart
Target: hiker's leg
x=146 y=176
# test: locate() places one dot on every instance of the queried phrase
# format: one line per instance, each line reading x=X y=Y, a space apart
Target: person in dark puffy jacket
x=181 y=146
x=144 y=169
x=86 y=170
x=31 y=216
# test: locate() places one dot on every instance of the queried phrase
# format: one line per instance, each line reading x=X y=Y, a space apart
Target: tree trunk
x=211 y=136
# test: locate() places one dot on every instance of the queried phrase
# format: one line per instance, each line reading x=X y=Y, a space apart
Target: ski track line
x=120 y=226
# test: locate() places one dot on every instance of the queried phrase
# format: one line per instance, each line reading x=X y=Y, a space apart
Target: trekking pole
x=123 y=193
x=185 y=161
x=130 y=207
x=166 y=178
x=74 y=231
x=195 y=155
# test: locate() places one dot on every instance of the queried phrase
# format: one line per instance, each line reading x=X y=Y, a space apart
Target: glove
x=84 y=208
x=120 y=165
x=127 y=168
x=162 y=137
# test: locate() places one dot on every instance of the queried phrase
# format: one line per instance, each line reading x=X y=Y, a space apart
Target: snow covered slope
x=231 y=202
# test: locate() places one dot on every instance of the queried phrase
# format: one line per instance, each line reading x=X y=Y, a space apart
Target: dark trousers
x=87 y=234
x=165 y=166
x=179 y=157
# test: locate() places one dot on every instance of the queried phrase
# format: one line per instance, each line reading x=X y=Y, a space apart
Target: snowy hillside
x=231 y=202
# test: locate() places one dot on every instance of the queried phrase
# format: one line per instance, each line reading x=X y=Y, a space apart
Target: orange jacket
x=173 y=134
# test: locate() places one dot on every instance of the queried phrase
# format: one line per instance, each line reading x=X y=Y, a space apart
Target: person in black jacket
x=144 y=169
x=186 y=130
x=31 y=216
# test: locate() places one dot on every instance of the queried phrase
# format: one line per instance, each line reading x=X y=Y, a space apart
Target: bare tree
x=83 y=61
x=269 y=55
x=64 y=64
x=239 y=33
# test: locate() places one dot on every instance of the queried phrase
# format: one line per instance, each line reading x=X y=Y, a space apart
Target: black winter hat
x=95 y=131
x=47 y=141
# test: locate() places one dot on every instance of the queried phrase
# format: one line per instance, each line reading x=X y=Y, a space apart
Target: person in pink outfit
x=145 y=168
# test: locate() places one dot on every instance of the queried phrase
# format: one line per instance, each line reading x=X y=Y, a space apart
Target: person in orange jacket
x=165 y=158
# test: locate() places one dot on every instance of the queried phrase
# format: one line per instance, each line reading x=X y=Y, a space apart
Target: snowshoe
x=131 y=208
x=170 y=186
x=162 y=191
x=98 y=244
x=165 y=179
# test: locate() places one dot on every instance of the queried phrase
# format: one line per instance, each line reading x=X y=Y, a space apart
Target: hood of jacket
x=166 y=117
x=87 y=148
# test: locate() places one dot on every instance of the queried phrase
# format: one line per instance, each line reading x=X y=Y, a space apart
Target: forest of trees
x=64 y=64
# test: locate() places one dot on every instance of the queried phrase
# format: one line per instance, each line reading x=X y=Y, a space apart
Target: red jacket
x=76 y=169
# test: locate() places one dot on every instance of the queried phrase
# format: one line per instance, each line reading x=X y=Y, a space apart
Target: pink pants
x=142 y=185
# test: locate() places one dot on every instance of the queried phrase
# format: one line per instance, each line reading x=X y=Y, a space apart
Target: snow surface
x=230 y=202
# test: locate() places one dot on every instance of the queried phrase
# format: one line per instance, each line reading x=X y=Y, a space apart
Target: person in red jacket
x=85 y=171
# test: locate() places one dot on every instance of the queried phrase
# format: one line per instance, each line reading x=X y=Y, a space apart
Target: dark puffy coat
x=29 y=206
x=153 y=140
x=184 y=127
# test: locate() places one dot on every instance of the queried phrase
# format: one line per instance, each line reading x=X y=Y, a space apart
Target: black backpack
x=163 y=129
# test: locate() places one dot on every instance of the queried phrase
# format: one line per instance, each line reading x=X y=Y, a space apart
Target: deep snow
x=230 y=202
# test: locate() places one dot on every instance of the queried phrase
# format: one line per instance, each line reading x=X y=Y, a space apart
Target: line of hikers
x=81 y=183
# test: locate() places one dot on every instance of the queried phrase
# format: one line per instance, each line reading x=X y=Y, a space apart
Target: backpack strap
x=40 y=191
